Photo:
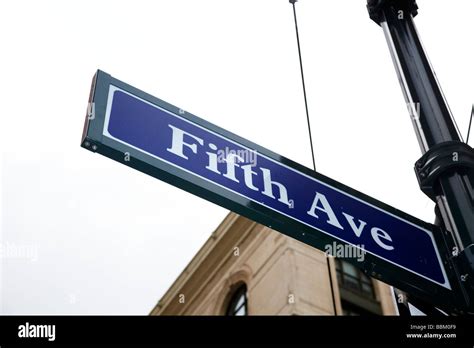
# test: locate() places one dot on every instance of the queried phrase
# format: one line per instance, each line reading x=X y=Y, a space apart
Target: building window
x=238 y=302
x=356 y=290
x=351 y=309
x=353 y=279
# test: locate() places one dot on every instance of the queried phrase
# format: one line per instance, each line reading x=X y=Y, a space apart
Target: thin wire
x=311 y=140
x=470 y=123
x=304 y=87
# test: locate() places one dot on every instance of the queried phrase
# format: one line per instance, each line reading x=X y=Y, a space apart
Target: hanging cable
x=311 y=140
x=304 y=86
x=470 y=123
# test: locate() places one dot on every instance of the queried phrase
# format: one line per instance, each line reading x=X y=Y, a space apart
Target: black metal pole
x=445 y=171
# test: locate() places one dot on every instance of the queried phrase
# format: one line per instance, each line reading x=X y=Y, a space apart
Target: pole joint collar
x=376 y=8
x=454 y=156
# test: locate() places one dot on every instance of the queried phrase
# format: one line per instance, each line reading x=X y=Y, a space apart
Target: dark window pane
x=364 y=278
x=367 y=289
x=351 y=283
x=351 y=278
x=352 y=309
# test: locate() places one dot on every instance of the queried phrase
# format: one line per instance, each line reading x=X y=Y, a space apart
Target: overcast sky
x=82 y=234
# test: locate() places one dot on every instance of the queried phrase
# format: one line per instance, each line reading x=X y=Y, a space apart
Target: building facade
x=245 y=268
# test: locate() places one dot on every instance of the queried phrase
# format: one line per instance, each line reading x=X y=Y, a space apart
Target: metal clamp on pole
x=375 y=8
x=453 y=156
x=443 y=158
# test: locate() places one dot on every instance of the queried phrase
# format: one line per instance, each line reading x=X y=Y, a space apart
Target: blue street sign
x=157 y=138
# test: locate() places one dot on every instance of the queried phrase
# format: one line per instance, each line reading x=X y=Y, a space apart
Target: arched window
x=238 y=302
